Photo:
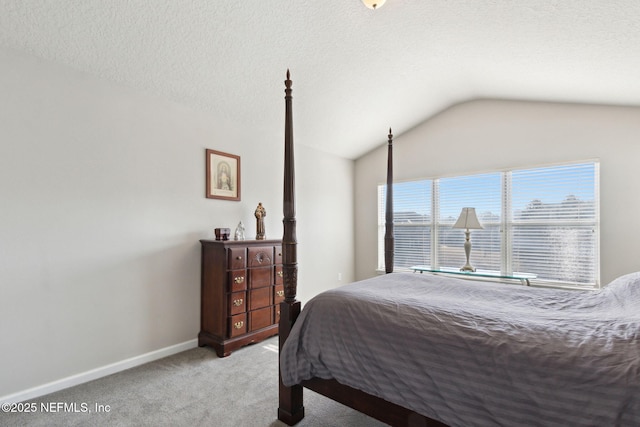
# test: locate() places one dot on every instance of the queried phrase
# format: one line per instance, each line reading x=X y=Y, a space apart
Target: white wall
x=486 y=135
x=102 y=206
x=325 y=212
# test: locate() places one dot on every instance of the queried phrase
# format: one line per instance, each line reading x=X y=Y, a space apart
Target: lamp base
x=468 y=267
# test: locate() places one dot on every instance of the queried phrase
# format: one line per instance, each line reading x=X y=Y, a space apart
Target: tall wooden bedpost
x=289 y=243
x=290 y=409
x=388 y=234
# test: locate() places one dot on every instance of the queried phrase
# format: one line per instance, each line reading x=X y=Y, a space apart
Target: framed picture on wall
x=223 y=175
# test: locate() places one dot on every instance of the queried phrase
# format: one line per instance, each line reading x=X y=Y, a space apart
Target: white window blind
x=541 y=220
x=554 y=228
x=411 y=223
x=483 y=192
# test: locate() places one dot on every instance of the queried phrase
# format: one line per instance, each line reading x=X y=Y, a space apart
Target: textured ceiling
x=355 y=71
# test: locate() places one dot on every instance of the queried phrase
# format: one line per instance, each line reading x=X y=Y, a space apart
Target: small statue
x=239 y=234
x=260 y=214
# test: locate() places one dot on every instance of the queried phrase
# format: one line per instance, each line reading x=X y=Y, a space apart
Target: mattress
x=475 y=353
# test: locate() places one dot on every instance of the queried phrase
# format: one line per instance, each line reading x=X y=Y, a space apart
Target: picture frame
x=223 y=175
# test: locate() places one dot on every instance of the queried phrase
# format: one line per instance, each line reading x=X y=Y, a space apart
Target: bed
x=428 y=350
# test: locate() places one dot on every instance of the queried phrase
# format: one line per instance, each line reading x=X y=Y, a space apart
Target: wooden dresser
x=241 y=291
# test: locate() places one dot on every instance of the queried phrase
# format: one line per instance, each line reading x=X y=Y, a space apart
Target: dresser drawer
x=237 y=280
x=277 y=254
x=237 y=258
x=237 y=303
x=259 y=298
x=260 y=277
x=278 y=294
x=238 y=325
x=260 y=256
x=278 y=280
x=261 y=318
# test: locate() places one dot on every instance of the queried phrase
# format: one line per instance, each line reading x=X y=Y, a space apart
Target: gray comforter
x=478 y=353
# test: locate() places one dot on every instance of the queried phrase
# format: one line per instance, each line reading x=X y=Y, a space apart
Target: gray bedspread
x=473 y=353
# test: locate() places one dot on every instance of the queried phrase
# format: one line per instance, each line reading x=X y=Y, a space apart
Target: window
x=543 y=220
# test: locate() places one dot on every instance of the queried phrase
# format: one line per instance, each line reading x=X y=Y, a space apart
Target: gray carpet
x=192 y=388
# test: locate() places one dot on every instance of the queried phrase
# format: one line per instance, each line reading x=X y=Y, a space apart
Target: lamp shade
x=468 y=220
x=373 y=4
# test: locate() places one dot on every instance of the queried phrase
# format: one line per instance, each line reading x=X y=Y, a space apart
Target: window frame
x=506 y=225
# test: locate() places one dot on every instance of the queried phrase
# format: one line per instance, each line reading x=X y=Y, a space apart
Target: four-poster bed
x=427 y=350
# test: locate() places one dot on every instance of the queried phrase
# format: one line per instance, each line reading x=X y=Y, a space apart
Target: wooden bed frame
x=291 y=407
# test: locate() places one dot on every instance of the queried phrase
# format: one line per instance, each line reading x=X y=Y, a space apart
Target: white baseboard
x=97 y=373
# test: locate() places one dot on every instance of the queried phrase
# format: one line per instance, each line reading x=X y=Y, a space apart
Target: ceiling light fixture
x=373 y=4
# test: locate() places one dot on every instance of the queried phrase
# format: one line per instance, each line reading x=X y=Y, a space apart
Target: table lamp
x=468 y=221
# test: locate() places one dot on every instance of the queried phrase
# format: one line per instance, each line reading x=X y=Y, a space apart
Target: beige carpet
x=192 y=388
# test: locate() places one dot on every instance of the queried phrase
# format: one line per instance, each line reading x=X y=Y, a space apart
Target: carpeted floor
x=192 y=388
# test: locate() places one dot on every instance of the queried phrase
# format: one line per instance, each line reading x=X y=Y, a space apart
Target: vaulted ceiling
x=355 y=71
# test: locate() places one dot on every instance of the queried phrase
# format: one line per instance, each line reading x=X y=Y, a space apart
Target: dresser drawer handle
x=239 y=258
x=239 y=279
x=280 y=293
x=280 y=274
x=238 y=302
x=238 y=325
